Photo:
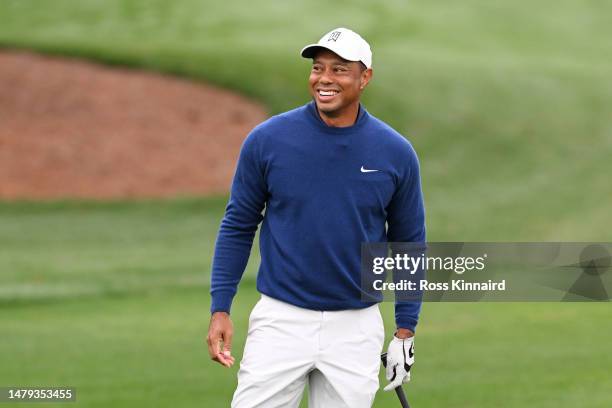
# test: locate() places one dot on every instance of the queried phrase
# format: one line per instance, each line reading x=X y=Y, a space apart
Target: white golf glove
x=400 y=358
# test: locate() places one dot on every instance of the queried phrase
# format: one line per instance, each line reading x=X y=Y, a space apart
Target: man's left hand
x=400 y=358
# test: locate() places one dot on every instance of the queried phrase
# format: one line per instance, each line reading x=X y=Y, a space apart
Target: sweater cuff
x=406 y=324
x=221 y=302
x=407 y=315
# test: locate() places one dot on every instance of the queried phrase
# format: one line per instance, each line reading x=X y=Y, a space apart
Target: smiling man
x=330 y=177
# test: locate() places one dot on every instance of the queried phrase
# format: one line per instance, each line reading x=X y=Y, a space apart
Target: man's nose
x=325 y=78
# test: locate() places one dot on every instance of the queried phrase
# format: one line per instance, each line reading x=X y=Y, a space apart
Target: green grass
x=507 y=103
x=147 y=350
x=60 y=250
x=112 y=298
x=136 y=351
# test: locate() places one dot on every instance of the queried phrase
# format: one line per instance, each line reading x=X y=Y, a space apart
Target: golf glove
x=400 y=358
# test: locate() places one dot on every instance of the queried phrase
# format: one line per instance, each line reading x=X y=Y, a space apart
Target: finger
x=229 y=359
x=214 y=349
x=393 y=385
x=228 y=356
x=213 y=346
x=218 y=360
x=223 y=360
x=392 y=370
x=227 y=341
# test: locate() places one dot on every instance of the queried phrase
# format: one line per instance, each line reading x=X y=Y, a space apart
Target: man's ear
x=366 y=75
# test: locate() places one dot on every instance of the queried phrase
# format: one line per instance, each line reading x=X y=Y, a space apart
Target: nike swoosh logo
x=364 y=170
x=411 y=350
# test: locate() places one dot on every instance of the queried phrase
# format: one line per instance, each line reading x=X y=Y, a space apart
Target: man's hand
x=220 y=332
x=400 y=358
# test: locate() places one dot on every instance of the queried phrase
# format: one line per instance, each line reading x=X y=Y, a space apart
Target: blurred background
x=120 y=123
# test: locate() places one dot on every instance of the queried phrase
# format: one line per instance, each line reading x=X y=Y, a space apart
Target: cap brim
x=310 y=50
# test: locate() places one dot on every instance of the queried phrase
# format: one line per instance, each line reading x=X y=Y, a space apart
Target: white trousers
x=336 y=352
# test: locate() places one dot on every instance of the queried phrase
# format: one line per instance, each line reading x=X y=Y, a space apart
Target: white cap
x=344 y=42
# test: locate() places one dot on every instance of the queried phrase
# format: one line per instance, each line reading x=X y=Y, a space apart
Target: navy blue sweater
x=320 y=205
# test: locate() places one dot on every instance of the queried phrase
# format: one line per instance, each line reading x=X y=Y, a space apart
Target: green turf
x=508 y=105
x=113 y=299
x=62 y=250
x=147 y=350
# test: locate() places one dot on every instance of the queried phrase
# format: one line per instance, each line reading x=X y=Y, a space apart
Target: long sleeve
x=406 y=223
x=242 y=216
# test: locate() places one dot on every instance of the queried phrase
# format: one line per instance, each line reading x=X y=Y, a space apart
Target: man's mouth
x=326 y=94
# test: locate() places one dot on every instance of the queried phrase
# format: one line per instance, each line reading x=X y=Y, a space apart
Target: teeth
x=327 y=93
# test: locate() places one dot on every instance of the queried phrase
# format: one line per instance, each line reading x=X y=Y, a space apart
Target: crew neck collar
x=362 y=118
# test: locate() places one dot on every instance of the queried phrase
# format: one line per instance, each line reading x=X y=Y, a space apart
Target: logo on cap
x=334 y=36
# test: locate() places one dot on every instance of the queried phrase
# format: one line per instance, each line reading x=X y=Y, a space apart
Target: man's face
x=336 y=83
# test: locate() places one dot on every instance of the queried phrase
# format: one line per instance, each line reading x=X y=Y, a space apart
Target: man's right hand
x=220 y=332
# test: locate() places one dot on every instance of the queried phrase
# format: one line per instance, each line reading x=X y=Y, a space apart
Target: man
x=330 y=176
